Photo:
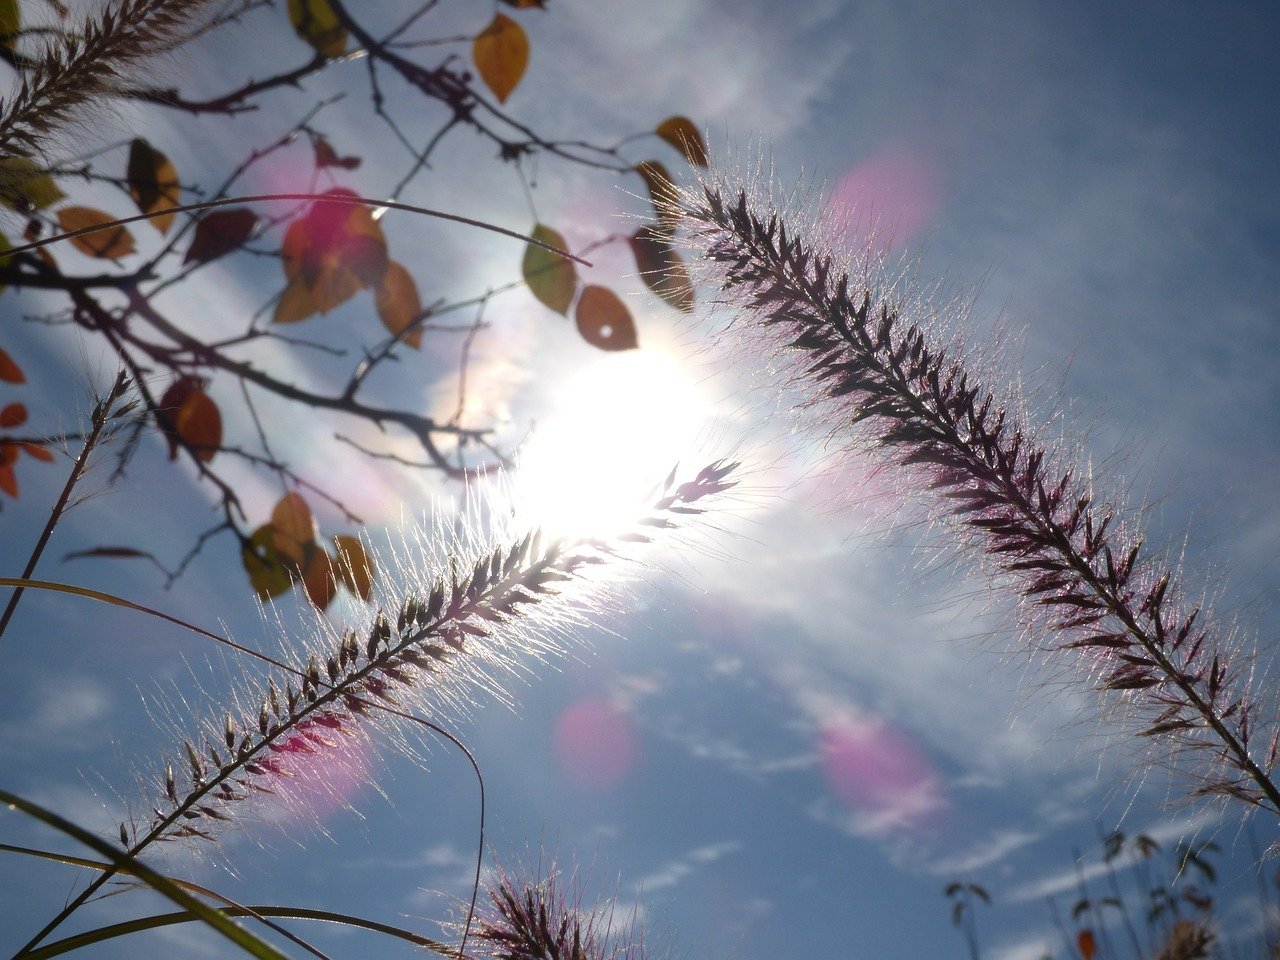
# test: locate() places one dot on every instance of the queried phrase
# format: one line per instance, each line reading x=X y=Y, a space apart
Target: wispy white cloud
x=674 y=871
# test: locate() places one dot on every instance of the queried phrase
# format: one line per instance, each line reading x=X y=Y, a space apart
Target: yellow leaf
x=604 y=320
x=501 y=53
x=293 y=528
x=684 y=136
x=661 y=191
x=551 y=277
x=317 y=24
x=661 y=268
x=267 y=573
x=355 y=571
x=399 y=304
x=110 y=243
x=24 y=186
x=153 y=183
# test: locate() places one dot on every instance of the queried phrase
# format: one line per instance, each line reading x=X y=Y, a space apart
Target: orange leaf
x=198 y=424
x=14 y=415
x=1087 y=943
x=110 y=243
x=219 y=233
x=501 y=53
x=399 y=304
x=10 y=372
x=661 y=191
x=355 y=571
x=293 y=528
x=684 y=136
x=153 y=183
x=604 y=320
x=661 y=268
x=328 y=255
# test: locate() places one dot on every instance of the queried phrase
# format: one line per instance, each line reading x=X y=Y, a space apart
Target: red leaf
x=1087 y=943
x=10 y=372
x=14 y=415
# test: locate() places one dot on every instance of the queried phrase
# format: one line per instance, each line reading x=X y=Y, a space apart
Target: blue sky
x=809 y=722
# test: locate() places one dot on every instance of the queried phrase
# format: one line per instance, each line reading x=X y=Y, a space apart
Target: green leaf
x=10 y=23
x=551 y=278
x=317 y=24
x=25 y=186
x=121 y=860
x=267 y=572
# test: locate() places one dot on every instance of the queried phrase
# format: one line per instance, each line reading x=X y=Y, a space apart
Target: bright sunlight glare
x=615 y=431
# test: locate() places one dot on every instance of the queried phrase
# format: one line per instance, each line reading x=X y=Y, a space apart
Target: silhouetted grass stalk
x=1079 y=572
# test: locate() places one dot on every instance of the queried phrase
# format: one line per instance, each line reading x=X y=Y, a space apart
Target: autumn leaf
x=527 y=4
x=604 y=320
x=661 y=190
x=501 y=53
x=1087 y=944
x=220 y=232
x=25 y=187
x=110 y=243
x=399 y=305
x=14 y=415
x=316 y=23
x=661 y=268
x=153 y=183
x=4 y=261
x=684 y=136
x=551 y=277
x=329 y=254
x=10 y=372
x=8 y=479
x=267 y=573
x=293 y=528
x=37 y=452
x=355 y=571
x=326 y=156
x=188 y=416
x=318 y=579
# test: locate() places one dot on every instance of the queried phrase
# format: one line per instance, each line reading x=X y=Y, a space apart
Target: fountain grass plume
x=882 y=365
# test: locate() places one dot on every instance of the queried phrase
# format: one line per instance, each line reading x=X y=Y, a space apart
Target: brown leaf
x=501 y=53
x=1087 y=944
x=220 y=232
x=399 y=305
x=198 y=424
x=14 y=415
x=604 y=320
x=8 y=479
x=293 y=528
x=355 y=571
x=661 y=268
x=10 y=372
x=37 y=451
x=316 y=23
x=661 y=191
x=329 y=254
x=684 y=136
x=526 y=4
x=110 y=243
x=550 y=277
x=296 y=303
x=326 y=156
x=153 y=183
x=318 y=580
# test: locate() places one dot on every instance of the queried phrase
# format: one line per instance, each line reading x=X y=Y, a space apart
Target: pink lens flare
x=887 y=198
x=319 y=770
x=596 y=744
x=876 y=770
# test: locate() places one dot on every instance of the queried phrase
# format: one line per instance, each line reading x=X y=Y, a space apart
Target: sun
x=616 y=429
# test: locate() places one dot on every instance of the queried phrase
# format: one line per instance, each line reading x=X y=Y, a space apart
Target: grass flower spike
x=870 y=362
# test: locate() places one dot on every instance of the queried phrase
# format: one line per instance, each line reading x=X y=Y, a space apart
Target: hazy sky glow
x=787 y=740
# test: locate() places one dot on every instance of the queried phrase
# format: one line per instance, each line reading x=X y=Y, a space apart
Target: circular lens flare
x=617 y=429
